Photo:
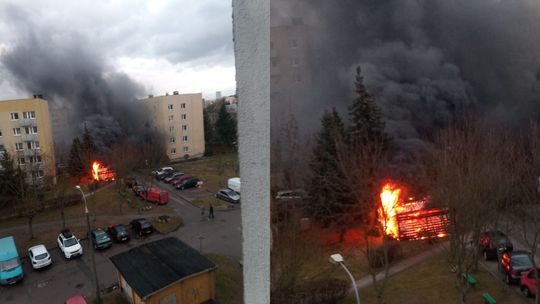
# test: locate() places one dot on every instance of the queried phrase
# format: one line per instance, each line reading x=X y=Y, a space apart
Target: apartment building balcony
x=27 y=122
x=29 y=137
x=31 y=152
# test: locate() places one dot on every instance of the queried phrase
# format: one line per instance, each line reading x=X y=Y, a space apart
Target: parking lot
x=70 y=277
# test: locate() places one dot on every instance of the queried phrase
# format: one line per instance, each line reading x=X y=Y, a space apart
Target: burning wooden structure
x=102 y=173
x=410 y=219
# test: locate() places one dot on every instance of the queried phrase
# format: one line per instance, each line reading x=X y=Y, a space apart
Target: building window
x=184 y=127
x=171 y=117
x=30 y=114
x=0 y=133
x=185 y=138
x=171 y=128
x=293 y=44
x=2 y=148
x=31 y=130
x=21 y=161
x=16 y=131
x=170 y=107
x=14 y=116
x=173 y=140
x=173 y=150
x=186 y=149
x=184 y=116
x=183 y=105
x=295 y=61
x=18 y=146
x=35 y=159
x=38 y=173
x=33 y=145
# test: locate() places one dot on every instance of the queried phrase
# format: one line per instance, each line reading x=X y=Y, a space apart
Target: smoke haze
x=426 y=62
x=81 y=87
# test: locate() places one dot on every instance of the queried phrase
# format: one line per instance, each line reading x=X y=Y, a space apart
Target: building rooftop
x=156 y=265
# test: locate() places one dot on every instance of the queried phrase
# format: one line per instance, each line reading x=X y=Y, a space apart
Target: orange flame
x=387 y=211
x=95 y=170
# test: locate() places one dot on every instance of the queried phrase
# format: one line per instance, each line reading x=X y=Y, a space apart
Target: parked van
x=156 y=195
x=234 y=184
x=10 y=265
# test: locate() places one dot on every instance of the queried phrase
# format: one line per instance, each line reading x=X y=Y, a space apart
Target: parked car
x=80 y=299
x=69 y=244
x=493 y=242
x=138 y=190
x=528 y=282
x=515 y=263
x=100 y=239
x=179 y=179
x=142 y=226
x=169 y=178
x=188 y=183
x=158 y=173
x=130 y=181
x=228 y=195
x=118 y=233
x=39 y=256
x=11 y=270
x=156 y=195
x=163 y=176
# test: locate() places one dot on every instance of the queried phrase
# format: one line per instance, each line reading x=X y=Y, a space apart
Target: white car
x=39 y=256
x=69 y=244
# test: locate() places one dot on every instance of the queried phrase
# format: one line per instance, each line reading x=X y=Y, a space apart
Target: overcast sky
x=165 y=45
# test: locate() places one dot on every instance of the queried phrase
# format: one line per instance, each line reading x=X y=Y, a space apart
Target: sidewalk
x=400 y=266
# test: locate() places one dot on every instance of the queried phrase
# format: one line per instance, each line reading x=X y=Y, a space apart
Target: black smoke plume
x=77 y=80
x=427 y=62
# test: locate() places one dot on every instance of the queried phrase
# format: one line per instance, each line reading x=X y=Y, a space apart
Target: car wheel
x=507 y=279
x=526 y=292
x=486 y=257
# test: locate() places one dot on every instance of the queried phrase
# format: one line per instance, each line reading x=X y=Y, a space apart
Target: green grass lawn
x=433 y=282
x=214 y=170
x=173 y=224
x=229 y=283
x=105 y=202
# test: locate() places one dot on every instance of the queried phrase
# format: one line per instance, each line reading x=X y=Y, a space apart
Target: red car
x=528 y=282
x=76 y=300
x=513 y=264
x=178 y=180
x=156 y=195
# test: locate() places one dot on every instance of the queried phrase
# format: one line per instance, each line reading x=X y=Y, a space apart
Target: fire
x=101 y=172
x=95 y=170
x=387 y=211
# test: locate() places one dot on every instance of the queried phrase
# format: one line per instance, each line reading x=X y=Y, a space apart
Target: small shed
x=166 y=271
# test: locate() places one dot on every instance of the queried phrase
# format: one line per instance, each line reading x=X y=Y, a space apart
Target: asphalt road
x=65 y=278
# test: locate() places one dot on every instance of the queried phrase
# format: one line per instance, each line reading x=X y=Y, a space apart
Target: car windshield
x=230 y=192
x=70 y=242
x=120 y=229
x=101 y=236
x=9 y=264
x=145 y=224
x=521 y=260
x=41 y=256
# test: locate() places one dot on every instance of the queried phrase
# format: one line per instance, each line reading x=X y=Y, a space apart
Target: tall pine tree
x=88 y=149
x=366 y=121
x=209 y=136
x=326 y=185
x=75 y=163
x=226 y=128
x=9 y=179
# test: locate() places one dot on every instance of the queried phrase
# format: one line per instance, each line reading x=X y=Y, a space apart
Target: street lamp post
x=338 y=259
x=91 y=251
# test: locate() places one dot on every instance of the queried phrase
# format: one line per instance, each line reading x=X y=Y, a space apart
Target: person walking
x=202 y=213
x=211 y=212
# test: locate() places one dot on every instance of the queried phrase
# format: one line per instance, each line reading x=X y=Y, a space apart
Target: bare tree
x=467 y=171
